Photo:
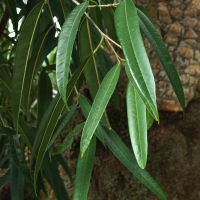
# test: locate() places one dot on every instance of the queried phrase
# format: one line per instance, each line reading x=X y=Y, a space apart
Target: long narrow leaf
x=4 y=179
x=161 y=51
x=16 y=183
x=68 y=139
x=101 y=100
x=83 y=171
x=50 y=120
x=85 y=108
x=65 y=46
x=137 y=124
x=62 y=123
x=128 y=32
x=124 y=155
x=21 y=59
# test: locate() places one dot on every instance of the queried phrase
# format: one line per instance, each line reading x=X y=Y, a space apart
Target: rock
x=190 y=34
x=176 y=28
x=185 y=52
x=163 y=15
x=176 y=12
x=189 y=22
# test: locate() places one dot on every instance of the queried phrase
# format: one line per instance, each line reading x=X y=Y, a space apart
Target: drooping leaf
x=140 y=73
x=6 y=131
x=21 y=59
x=11 y=7
x=101 y=100
x=161 y=51
x=53 y=177
x=136 y=111
x=150 y=119
x=124 y=155
x=83 y=171
x=50 y=120
x=67 y=142
x=62 y=123
x=85 y=108
x=34 y=65
x=4 y=179
x=18 y=158
x=44 y=95
x=16 y=183
x=5 y=80
x=65 y=46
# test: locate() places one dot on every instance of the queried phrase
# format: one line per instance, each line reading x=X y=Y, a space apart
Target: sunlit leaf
x=140 y=73
x=101 y=100
x=65 y=46
x=161 y=51
x=136 y=111
x=85 y=108
x=83 y=171
x=150 y=119
x=21 y=59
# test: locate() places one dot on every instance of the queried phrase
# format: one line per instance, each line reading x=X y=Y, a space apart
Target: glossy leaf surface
x=120 y=150
x=140 y=73
x=136 y=111
x=161 y=51
x=101 y=100
x=65 y=46
x=83 y=171
x=21 y=59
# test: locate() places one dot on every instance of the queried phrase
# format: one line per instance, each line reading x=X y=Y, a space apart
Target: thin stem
x=51 y=13
x=102 y=34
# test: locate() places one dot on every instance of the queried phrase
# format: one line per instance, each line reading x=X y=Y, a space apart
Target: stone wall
x=178 y=22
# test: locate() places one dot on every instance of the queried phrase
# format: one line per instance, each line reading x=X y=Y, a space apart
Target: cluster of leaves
x=35 y=50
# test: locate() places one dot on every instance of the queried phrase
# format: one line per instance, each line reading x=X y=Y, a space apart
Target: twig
x=102 y=34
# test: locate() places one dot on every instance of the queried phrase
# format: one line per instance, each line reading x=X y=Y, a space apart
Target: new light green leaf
x=161 y=51
x=101 y=100
x=83 y=172
x=149 y=118
x=136 y=111
x=21 y=59
x=128 y=32
x=120 y=150
x=65 y=46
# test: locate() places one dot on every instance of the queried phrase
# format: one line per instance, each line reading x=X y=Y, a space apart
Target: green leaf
x=44 y=95
x=124 y=155
x=21 y=59
x=5 y=81
x=139 y=69
x=4 y=179
x=85 y=108
x=50 y=120
x=67 y=142
x=150 y=119
x=161 y=51
x=101 y=100
x=16 y=183
x=65 y=46
x=6 y=131
x=11 y=7
x=33 y=66
x=18 y=158
x=86 y=47
x=62 y=123
x=136 y=111
x=83 y=171
x=53 y=177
